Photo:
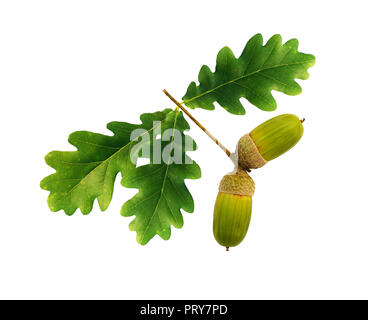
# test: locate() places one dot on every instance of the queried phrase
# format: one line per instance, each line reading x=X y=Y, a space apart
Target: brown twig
x=228 y=153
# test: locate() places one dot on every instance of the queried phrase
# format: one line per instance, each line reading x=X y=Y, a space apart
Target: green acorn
x=233 y=208
x=269 y=140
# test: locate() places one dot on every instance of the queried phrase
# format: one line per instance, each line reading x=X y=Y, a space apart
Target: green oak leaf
x=162 y=191
x=89 y=173
x=257 y=71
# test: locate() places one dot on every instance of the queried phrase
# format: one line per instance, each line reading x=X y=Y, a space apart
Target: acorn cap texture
x=249 y=156
x=239 y=183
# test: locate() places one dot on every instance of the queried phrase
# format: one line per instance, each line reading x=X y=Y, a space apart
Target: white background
x=76 y=65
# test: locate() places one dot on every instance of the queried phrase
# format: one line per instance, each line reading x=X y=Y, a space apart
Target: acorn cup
x=268 y=141
x=233 y=208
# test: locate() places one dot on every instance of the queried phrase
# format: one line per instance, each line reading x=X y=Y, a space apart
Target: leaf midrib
x=106 y=160
x=243 y=77
x=164 y=182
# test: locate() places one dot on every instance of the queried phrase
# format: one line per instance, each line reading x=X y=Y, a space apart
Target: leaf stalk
x=209 y=134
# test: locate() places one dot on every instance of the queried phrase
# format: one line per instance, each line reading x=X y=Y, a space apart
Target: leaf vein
x=243 y=77
x=164 y=181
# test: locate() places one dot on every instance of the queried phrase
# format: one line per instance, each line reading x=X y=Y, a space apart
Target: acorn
x=268 y=141
x=233 y=208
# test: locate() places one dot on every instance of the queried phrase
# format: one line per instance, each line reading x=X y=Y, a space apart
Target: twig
x=228 y=153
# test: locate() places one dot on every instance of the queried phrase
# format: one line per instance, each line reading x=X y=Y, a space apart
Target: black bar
x=182 y=309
